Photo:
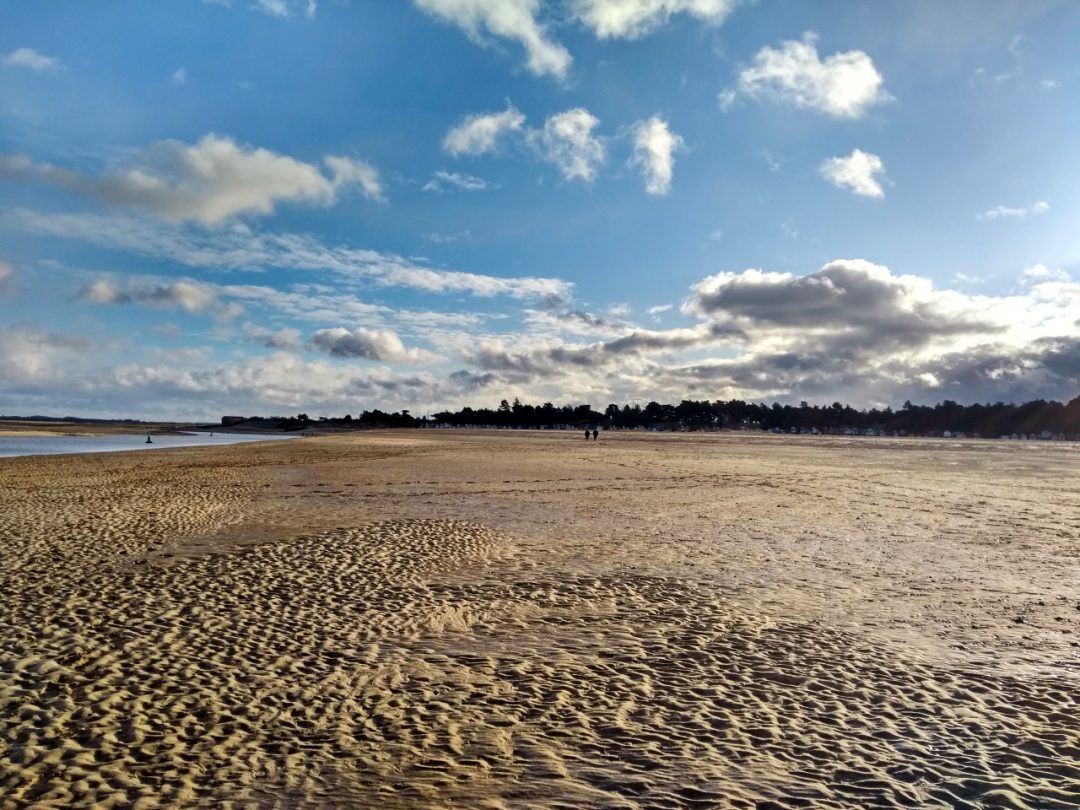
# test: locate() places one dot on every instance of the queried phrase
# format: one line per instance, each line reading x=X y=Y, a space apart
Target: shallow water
x=56 y=445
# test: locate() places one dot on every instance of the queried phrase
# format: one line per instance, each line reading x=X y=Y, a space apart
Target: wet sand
x=455 y=619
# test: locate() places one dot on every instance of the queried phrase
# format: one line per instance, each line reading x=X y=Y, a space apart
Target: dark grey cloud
x=550 y=361
x=857 y=302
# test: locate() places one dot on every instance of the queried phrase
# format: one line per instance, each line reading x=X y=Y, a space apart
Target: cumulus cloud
x=209 y=181
x=481 y=133
x=630 y=19
x=567 y=141
x=440 y=181
x=29 y=59
x=858 y=172
x=654 y=149
x=282 y=339
x=853 y=300
x=368 y=344
x=505 y=19
x=1023 y=212
x=843 y=85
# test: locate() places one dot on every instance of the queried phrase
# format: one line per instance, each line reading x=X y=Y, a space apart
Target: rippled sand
x=527 y=620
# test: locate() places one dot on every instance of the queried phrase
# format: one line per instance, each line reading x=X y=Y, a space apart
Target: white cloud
x=654 y=148
x=368 y=344
x=659 y=309
x=506 y=19
x=1023 y=212
x=567 y=141
x=30 y=59
x=441 y=180
x=857 y=172
x=30 y=354
x=7 y=272
x=179 y=77
x=478 y=134
x=843 y=85
x=1041 y=274
x=207 y=182
x=630 y=19
x=239 y=248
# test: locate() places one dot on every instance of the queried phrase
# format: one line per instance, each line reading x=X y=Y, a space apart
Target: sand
x=25 y=428
x=455 y=619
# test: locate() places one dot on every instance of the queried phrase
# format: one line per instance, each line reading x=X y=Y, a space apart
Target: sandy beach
x=454 y=619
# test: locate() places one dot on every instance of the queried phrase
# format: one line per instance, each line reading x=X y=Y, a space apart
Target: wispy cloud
x=1022 y=212
x=240 y=248
x=442 y=180
x=29 y=59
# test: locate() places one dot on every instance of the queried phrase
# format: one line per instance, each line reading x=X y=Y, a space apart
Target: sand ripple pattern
x=425 y=663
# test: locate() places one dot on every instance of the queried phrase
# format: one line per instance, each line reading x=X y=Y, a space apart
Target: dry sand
x=25 y=428
x=452 y=619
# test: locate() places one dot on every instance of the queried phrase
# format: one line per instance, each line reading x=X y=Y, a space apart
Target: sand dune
x=515 y=621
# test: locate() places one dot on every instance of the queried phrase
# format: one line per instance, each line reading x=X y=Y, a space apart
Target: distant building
x=233 y=420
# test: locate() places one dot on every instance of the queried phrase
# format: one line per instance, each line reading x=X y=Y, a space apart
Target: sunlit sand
x=455 y=619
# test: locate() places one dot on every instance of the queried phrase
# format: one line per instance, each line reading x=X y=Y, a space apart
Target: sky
x=274 y=206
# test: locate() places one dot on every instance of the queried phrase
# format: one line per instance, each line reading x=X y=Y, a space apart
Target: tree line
x=983 y=419
x=996 y=419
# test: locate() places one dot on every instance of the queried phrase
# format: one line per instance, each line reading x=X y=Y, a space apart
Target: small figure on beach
x=595 y=434
x=148 y=439
x=586 y=434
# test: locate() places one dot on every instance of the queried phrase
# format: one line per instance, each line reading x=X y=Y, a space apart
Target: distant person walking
x=595 y=434
x=586 y=434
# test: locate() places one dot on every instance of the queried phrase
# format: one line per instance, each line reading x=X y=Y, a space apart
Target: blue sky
x=265 y=206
